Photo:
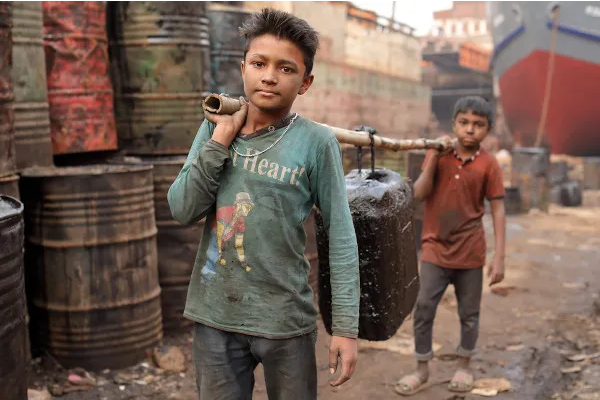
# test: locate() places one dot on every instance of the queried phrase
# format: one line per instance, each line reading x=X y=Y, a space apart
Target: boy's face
x=273 y=73
x=470 y=129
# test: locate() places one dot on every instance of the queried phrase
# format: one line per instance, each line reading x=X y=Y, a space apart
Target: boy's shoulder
x=315 y=131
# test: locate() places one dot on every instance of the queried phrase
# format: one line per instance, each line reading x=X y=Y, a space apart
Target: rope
x=550 y=73
x=371 y=132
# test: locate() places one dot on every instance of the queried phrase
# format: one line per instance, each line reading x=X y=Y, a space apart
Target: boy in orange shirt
x=453 y=186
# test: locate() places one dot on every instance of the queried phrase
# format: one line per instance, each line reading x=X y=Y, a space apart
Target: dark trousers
x=434 y=281
x=225 y=363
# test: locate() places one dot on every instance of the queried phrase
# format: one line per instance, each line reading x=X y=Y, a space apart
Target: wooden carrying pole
x=223 y=104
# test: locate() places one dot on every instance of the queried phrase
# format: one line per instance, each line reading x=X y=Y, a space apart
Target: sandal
x=462 y=382
x=410 y=384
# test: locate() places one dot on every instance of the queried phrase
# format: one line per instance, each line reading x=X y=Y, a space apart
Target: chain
x=271 y=146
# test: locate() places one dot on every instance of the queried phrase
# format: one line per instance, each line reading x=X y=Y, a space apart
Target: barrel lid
x=371 y=183
x=98 y=169
x=9 y=207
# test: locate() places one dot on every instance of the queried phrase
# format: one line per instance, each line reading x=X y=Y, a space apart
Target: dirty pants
x=225 y=363
x=433 y=283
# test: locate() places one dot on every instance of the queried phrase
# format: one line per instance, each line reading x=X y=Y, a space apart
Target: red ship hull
x=573 y=118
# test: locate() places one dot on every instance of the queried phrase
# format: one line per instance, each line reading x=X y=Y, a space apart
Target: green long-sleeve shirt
x=250 y=274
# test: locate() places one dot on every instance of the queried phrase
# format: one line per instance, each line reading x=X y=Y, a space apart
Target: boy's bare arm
x=496 y=270
x=424 y=183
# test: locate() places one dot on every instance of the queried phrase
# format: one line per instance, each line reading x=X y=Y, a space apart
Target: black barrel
x=226 y=49
x=32 y=118
x=7 y=136
x=161 y=73
x=381 y=203
x=13 y=329
x=91 y=264
x=567 y=194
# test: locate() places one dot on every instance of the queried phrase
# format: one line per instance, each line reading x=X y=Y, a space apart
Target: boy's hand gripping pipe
x=223 y=104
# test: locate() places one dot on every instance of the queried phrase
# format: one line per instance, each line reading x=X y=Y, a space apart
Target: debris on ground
x=33 y=394
x=170 y=358
x=399 y=343
x=490 y=387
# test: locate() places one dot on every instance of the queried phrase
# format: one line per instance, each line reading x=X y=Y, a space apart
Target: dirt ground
x=548 y=312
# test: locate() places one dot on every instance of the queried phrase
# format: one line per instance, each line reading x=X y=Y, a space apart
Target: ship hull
x=521 y=62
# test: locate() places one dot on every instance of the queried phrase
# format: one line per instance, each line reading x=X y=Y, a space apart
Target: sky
x=419 y=17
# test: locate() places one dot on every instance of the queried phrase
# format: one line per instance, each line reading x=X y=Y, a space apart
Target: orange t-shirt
x=453 y=235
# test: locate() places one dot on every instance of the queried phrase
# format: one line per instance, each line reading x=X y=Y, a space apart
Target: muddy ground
x=548 y=312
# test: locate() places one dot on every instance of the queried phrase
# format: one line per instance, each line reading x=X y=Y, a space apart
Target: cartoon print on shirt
x=229 y=227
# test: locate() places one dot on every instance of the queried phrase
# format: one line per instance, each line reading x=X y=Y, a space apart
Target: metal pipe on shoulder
x=223 y=104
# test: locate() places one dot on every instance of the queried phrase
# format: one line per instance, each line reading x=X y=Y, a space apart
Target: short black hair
x=477 y=105
x=283 y=25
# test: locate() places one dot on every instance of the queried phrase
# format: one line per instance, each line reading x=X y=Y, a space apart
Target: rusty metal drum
x=177 y=244
x=381 y=203
x=7 y=139
x=91 y=264
x=9 y=185
x=80 y=93
x=226 y=49
x=33 y=146
x=529 y=170
x=161 y=71
x=13 y=330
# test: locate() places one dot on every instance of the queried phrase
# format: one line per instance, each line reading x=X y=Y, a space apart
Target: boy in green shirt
x=255 y=176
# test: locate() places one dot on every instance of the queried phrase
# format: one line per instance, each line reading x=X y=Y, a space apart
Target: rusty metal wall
x=7 y=145
x=80 y=93
x=161 y=72
x=33 y=146
x=91 y=264
x=9 y=185
x=226 y=49
x=13 y=329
